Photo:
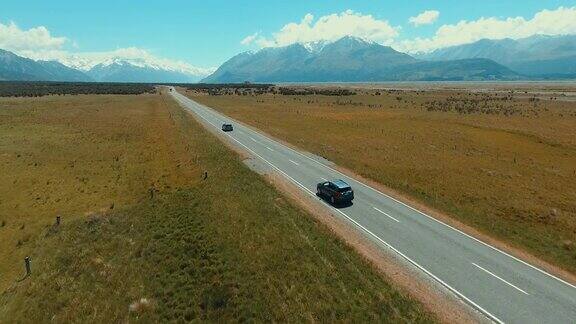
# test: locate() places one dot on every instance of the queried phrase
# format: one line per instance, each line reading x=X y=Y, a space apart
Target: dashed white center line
x=294 y=162
x=252 y=138
x=504 y=281
x=269 y=149
x=386 y=214
x=324 y=179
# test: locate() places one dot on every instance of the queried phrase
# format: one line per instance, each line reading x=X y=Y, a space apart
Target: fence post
x=58 y=220
x=27 y=264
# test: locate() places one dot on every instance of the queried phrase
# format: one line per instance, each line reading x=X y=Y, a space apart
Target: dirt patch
x=448 y=308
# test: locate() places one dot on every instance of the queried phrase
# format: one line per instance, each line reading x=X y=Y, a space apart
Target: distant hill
x=17 y=68
x=348 y=59
x=552 y=56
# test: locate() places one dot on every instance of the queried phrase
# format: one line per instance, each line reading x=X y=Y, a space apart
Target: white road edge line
x=504 y=281
x=453 y=290
x=386 y=214
x=293 y=162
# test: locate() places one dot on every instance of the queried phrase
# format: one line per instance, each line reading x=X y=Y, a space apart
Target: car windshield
x=344 y=189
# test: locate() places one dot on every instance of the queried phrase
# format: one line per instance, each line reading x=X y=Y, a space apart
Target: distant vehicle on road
x=227 y=127
x=337 y=192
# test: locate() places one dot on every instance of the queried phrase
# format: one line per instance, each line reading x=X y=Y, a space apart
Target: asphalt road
x=502 y=287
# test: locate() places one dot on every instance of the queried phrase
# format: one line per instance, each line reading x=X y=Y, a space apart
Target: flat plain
x=502 y=160
x=145 y=238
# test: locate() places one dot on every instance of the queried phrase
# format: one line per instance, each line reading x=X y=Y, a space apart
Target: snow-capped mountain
x=75 y=68
x=137 y=69
x=349 y=59
x=537 y=55
x=316 y=46
x=17 y=68
x=84 y=64
x=118 y=70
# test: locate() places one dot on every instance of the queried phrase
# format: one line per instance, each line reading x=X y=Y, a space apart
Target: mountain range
x=17 y=68
x=125 y=71
x=535 y=56
x=348 y=59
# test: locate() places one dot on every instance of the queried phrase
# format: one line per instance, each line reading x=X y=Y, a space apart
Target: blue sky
x=206 y=33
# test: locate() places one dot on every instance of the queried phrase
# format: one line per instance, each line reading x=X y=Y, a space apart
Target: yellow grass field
x=76 y=155
x=503 y=163
x=145 y=239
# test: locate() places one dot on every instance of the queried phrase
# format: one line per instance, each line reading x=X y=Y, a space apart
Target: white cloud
x=249 y=39
x=331 y=27
x=561 y=21
x=13 y=38
x=425 y=18
x=37 y=43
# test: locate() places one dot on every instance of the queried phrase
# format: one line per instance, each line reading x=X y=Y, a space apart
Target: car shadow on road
x=338 y=205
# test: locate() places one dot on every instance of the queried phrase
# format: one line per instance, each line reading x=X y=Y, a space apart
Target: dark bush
x=37 y=89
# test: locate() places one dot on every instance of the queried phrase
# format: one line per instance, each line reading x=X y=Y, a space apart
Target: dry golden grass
x=504 y=166
x=226 y=249
x=75 y=155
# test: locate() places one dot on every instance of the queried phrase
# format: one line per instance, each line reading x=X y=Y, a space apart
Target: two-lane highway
x=501 y=286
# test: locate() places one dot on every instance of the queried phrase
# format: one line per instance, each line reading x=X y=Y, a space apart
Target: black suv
x=335 y=191
x=227 y=127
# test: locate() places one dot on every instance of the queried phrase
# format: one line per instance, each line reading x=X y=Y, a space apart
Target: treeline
x=206 y=86
x=289 y=91
x=247 y=89
x=239 y=89
x=38 y=89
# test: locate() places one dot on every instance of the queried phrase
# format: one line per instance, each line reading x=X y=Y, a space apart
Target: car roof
x=340 y=183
